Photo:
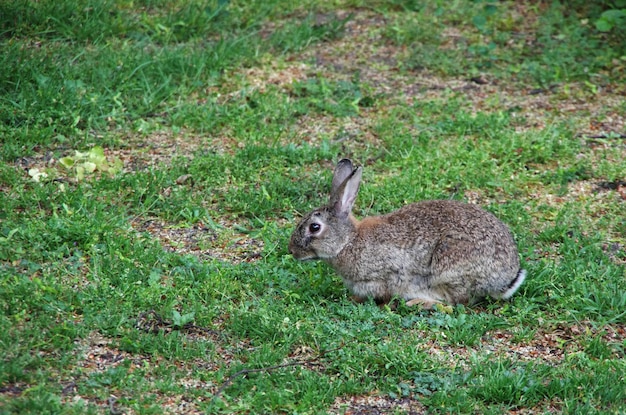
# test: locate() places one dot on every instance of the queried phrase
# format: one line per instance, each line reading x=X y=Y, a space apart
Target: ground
x=363 y=95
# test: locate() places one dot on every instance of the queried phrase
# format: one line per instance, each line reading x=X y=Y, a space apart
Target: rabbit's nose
x=292 y=248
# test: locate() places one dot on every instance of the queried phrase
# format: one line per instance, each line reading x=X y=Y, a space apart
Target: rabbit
x=430 y=252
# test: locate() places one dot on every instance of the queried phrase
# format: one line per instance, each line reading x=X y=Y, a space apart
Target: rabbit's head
x=324 y=232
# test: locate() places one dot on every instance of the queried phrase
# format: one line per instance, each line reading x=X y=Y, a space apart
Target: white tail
x=515 y=284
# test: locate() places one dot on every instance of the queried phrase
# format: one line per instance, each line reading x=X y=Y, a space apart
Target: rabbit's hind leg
x=426 y=304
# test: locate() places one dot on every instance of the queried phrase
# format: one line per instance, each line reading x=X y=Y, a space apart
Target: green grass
x=167 y=287
x=540 y=49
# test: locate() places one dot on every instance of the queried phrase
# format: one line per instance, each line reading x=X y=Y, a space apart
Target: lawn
x=156 y=155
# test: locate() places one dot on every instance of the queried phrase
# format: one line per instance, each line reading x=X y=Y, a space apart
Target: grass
x=165 y=286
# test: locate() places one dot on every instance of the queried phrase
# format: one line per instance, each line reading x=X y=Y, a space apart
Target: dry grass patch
x=97 y=355
x=375 y=405
x=201 y=241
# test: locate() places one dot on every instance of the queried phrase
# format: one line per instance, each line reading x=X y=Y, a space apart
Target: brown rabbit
x=426 y=253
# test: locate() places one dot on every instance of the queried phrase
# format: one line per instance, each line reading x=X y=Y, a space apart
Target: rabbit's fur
x=426 y=252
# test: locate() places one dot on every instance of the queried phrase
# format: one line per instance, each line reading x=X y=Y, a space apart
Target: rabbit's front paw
x=426 y=304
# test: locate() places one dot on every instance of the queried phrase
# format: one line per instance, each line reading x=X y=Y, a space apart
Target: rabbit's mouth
x=301 y=256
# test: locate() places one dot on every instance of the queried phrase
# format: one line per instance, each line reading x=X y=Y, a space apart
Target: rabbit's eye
x=314 y=227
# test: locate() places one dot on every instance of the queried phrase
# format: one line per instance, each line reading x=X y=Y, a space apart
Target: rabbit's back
x=458 y=250
x=460 y=229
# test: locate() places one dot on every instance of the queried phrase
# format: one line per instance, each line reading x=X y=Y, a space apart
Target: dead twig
x=314 y=361
x=243 y=372
x=152 y=322
x=603 y=136
x=113 y=410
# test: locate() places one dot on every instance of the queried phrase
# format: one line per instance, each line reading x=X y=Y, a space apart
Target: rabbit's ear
x=343 y=170
x=343 y=200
